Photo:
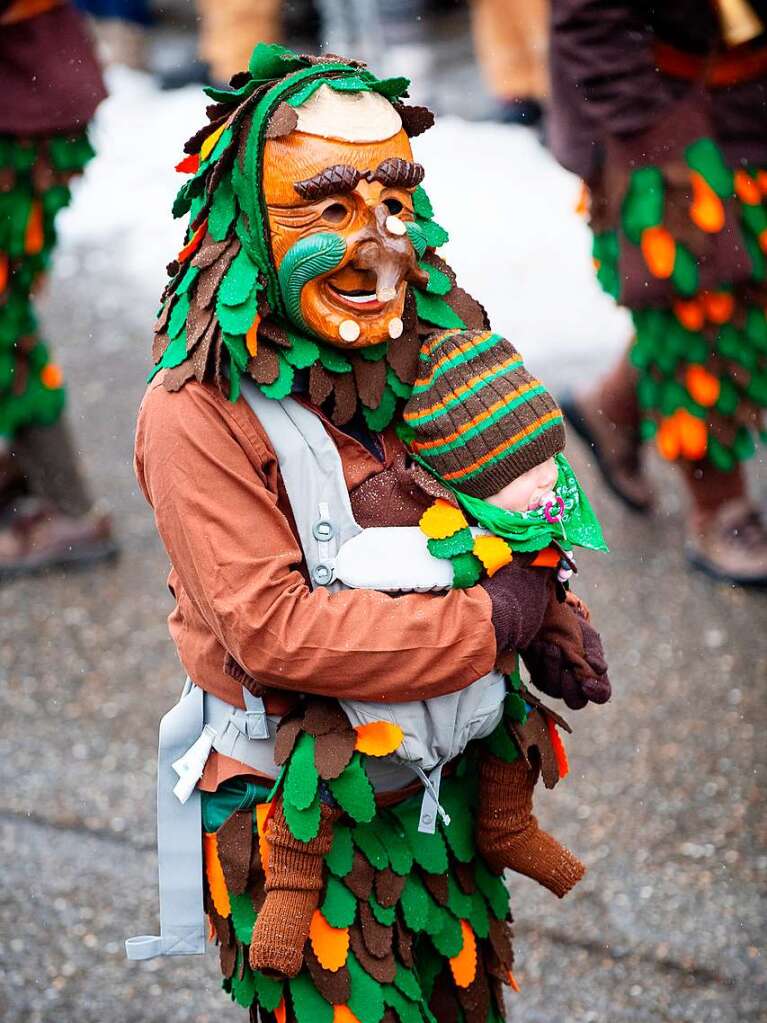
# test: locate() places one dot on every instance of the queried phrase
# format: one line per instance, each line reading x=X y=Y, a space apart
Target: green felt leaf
x=458 y=543
x=374 y=353
x=385 y=915
x=370 y=845
x=407 y=1011
x=422 y=204
x=516 y=708
x=269 y=990
x=460 y=832
x=332 y=360
x=379 y=418
x=458 y=902
x=340 y=905
x=500 y=744
x=272 y=60
x=448 y=941
x=494 y=890
x=415 y=903
x=478 y=916
x=222 y=210
x=191 y=275
x=435 y=310
x=178 y=315
x=439 y=282
x=243 y=990
x=283 y=385
x=685 y=273
x=643 y=202
x=407 y=982
x=308 y=1004
x=341 y=856
x=366 y=999
x=428 y=851
x=237 y=319
x=302 y=779
x=353 y=791
x=399 y=389
x=467 y=570
x=304 y=824
x=743 y=446
x=303 y=352
x=435 y=234
x=222 y=144
x=417 y=236
x=243 y=917
x=755 y=254
x=756 y=328
x=239 y=280
x=706 y=158
x=719 y=456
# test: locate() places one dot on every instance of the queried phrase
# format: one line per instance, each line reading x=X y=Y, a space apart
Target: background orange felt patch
x=343 y=1014
x=703 y=386
x=378 y=738
x=34 y=237
x=215 y=874
x=464 y=965
x=690 y=314
x=706 y=211
x=659 y=251
x=330 y=944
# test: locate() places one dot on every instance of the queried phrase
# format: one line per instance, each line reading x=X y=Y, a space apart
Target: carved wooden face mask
x=337 y=212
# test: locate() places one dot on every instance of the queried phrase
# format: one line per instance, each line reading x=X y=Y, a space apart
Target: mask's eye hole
x=335 y=213
x=394 y=206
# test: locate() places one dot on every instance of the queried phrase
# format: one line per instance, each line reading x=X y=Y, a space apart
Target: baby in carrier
x=486 y=440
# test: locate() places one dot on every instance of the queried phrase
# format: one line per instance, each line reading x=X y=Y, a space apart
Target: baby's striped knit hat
x=477 y=419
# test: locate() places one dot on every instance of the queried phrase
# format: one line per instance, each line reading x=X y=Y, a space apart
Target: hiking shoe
x=730 y=544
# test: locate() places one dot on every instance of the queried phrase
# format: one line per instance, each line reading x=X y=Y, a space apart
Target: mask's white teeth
x=395 y=328
x=349 y=331
x=359 y=299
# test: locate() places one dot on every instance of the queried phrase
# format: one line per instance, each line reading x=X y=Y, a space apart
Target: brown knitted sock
x=293 y=884
x=507 y=833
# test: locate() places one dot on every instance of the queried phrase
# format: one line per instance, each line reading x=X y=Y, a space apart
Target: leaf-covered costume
x=695 y=253
x=34 y=186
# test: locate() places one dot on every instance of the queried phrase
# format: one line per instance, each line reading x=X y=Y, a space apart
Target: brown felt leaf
x=443 y=1002
x=402 y=354
x=432 y=259
x=535 y=701
x=222 y=925
x=500 y=940
x=159 y=343
x=162 y=319
x=265 y=366
x=209 y=252
x=535 y=745
x=426 y=482
x=359 y=880
x=287 y=732
x=388 y=887
x=234 y=842
x=323 y=716
x=469 y=309
x=464 y=873
x=228 y=958
x=334 y=986
x=345 y=398
x=209 y=279
x=176 y=377
x=475 y=999
x=436 y=885
x=197 y=322
x=333 y=752
x=202 y=350
x=320 y=384
x=270 y=332
x=415 y=120
x=282 y=122
x=377 y=937
x=383 y=969
x=370 y=378
x=404 y=943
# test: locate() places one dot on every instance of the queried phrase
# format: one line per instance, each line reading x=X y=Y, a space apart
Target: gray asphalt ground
x=664 y=802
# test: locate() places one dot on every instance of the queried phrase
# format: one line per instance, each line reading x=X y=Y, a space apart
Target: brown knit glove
x=566 y=659
x=520 y=597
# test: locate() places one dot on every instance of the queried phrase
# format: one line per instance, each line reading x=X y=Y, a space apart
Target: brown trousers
x=511 y=40
x=229 y=29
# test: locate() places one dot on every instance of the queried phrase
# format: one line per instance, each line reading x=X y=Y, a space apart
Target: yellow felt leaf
x=343 y=1014
x=208 y=145
x=378 y=738
x=330 y=944
x=215 y=874
x=464 y=965
x=442 y=519
x=263 y=811
x=493 y=552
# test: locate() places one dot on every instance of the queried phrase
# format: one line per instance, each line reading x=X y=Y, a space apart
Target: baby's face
x=525 y=493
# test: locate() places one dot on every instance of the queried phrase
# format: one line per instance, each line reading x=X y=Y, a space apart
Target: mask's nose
x=385 y=250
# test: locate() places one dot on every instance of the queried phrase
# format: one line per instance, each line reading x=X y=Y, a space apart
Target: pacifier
x=553 y=507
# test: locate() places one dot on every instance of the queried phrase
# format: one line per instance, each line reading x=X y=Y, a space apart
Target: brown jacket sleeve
x=206 y=473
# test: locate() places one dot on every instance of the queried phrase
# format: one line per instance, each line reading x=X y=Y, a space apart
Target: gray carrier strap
x=179 y=843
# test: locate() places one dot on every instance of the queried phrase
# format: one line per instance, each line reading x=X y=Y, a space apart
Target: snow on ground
x=517 y=243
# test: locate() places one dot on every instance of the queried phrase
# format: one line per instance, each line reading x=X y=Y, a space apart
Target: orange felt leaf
x=3 y=271
x=761 y=179
x=693 y=435
x=464 y=965
x=378 y=738
x=702 y=385
x=194 y=242
x=560 y=753
x=762 y=242
x=549 y=557
x=746 y=189
x=442 y=519
x=343 y=1014
x=51 y=376
x=211 y=930
x=719 y=305
x=215 y=874
x=706 y=211
x=513 y=983
x=210 y=142
x=667 y=439
x=493 y=552
x=330 y=944
x=280 y=1013
x=33 y=235
x=263 y=813
x=659 y=251
x=189 y=165
x=690 y=314
x=251 y=338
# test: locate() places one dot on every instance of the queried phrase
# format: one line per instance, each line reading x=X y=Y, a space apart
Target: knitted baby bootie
x=508 y=836
x=293 y=884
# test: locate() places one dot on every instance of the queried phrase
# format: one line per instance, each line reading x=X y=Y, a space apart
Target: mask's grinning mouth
x=356 y=297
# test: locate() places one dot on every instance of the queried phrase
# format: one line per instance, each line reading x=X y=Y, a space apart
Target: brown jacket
x=206 y=467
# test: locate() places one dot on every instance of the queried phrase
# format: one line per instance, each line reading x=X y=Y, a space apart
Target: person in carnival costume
x=51 y=86
x=661 y=110
x=286 y=347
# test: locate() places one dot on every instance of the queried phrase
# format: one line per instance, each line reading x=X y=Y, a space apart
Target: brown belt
x=716 y=71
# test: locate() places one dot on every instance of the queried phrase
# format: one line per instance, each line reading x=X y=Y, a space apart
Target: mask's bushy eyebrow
x=338 y=178
x=394 y=171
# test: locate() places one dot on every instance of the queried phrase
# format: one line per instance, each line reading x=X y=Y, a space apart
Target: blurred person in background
x=51 y=86
x=120 y=27
x=511 y=40
x=662 y=110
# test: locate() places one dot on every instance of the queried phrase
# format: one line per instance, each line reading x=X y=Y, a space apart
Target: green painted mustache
x=311 y=257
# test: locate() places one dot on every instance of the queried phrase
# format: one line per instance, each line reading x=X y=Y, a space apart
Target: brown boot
x=37 y=536
x=507 y=833
x=729 y=543
x=293 y=883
